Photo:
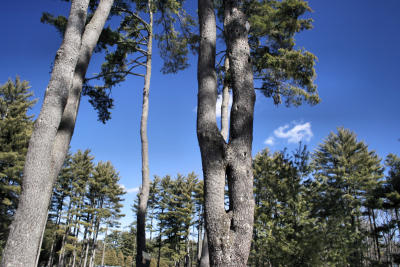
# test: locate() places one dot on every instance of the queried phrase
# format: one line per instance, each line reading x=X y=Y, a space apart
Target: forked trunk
x=24 y=240
x=229 y=232
x=52 y=133
x=145 y=189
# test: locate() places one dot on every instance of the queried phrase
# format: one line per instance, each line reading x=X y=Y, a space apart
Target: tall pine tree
x=15 y=130
x=345 y=172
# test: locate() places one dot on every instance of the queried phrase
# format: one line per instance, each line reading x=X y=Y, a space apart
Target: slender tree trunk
x=205 y=256
x=86 y=252
x=104 y=248
x=378 y=252
x=24 y=240
x=64 y=237
x=199 y=239
x=229 y=232
x=145 y=189
x=225 y=103
x=54 y=236
x=95 y=235
x=85 y=244
x=53 y=131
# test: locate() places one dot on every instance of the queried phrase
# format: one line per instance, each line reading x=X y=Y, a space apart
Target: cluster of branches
x=86 y=201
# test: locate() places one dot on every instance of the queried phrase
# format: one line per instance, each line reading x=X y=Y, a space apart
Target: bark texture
x=53 y=131
x=24 y=241
x=229 y=232
x=145 y=189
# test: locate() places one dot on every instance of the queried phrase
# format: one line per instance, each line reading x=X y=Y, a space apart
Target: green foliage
x=285 y=70
x=15 y=130
x=86 y=196
x=346 y=173
x=285 y=232
x=126 y=51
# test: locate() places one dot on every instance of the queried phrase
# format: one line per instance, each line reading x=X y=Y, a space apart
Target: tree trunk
x=104 y=248
x=89 y=40
x=229 y=232
x=24 y=240
x=145 y=189
x=225 y=103
x=52 y=132
x=378 y=252
x=199 y=239
x=86 y=251
x=205 y=256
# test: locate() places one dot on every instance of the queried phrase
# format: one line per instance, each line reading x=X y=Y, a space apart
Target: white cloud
x=270 y=141
x=295 y=134
x=129 y=190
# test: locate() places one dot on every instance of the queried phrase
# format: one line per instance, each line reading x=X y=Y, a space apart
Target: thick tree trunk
x=52 y=132
x=145 y=189
x=89 y=40
x=24 y=240
x=229 y=232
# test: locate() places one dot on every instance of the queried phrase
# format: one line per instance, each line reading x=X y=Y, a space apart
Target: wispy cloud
x=270 y=141
x=293 y=133
x=129 y=190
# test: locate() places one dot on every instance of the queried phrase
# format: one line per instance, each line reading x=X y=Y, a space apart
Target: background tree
x=16 y=128
x=345 y=171
x=133 y=51
x=285 y=232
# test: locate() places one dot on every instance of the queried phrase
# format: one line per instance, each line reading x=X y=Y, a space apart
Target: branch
x=147 y=25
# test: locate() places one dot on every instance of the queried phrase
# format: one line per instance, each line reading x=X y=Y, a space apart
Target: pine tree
x=345 y=171
x=285 y=233
x=15 y=130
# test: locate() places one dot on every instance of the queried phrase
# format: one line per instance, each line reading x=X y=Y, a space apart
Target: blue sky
x=356 y=42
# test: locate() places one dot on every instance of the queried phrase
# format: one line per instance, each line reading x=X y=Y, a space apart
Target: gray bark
x=89 y=40
x=53 y=129
x=205 y=256
x=104 y=248
x=145 y=188
x=229 y=232
x=225 y=103
x=24 y=240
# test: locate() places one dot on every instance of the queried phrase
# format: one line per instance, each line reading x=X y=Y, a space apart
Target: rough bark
x=24 y=240
x=67 y=125
x=229 y=232
x=54 y=127
x=145 y=188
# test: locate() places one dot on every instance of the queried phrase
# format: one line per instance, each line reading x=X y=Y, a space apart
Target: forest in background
x=335 y=206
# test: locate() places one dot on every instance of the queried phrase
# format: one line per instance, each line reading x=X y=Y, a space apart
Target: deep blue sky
x=356 y=42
